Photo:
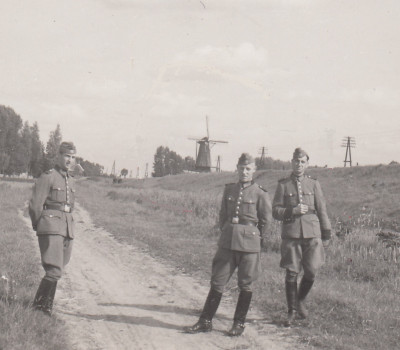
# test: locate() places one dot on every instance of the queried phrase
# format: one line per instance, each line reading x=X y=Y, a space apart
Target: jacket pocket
x=309 y=198
x=290 y=199
x=249 y=207
x=251 y=238
x=58 y=194
x=50 y=222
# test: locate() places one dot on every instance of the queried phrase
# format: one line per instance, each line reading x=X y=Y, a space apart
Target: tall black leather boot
x=305 y=287
x=204 y=324
x=242 y=307
x=45 y=296
x=291 y=298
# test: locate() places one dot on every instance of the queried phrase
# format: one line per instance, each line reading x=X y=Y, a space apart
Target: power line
x=349 y=142
x=263 y=151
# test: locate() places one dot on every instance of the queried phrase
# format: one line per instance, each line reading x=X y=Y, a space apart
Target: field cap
x=300 y=153
x=245 y=159
x=67 y=147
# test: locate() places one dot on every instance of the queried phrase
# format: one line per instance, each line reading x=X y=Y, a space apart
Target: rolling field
x=356 y=298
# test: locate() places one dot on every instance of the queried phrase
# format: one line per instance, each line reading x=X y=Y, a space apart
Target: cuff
x=326 y=235
x=288 y=213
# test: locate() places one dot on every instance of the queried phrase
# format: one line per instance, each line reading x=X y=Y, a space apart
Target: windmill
x=203 y=153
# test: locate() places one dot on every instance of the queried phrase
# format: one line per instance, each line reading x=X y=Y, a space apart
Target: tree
x=90 y=169
x=52 y=148
x=24 y=150
x=159 y=165
x=37 y=152
x=189 y=164
x=124 y=172
x=270 y=163
x=10 y=125
x=168 y=162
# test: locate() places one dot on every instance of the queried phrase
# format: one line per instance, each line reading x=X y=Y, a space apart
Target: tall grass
x=20 y=326
x=356 y=299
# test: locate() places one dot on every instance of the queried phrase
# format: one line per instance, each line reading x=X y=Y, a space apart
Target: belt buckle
x=235 y=220
x=67 y=208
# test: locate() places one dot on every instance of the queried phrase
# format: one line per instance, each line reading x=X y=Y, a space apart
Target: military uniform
x=302 y=234
x=50 y=209
x=244 y=219
x=313 y=225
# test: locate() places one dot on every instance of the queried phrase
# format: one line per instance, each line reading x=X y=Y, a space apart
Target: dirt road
x=115 y=296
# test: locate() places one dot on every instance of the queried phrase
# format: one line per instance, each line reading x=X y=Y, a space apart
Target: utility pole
x=263 y=151
x=137 y=173
x=349 y=142
x=146 y=173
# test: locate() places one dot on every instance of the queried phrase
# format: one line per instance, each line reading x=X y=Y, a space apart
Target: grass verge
x=20 y=326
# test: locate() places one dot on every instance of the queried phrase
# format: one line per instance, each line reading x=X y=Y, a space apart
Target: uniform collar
x=64 y=173
x=248 y=184
x=297 y=178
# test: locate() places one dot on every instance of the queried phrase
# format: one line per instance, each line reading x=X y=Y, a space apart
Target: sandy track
x=115 y=296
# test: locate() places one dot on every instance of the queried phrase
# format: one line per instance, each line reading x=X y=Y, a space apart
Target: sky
x=123 y=77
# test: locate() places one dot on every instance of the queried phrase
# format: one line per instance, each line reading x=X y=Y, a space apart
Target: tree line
x=22 y=151
x=168 y=162
x=270 y=163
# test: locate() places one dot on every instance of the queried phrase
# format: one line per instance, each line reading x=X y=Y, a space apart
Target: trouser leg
x=313 y=258
x=55 y=251
x=248 y=271
x=304 y=289
x=223 y=266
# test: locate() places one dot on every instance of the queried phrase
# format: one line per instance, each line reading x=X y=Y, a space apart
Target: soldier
x=300 y=204
x=50 y=210
x=244 y=220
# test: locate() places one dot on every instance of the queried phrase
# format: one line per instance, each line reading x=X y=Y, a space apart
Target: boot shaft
x=211 y=305
x=45 y=296
x=291 y=295
x=242 y=306
x=304 y=289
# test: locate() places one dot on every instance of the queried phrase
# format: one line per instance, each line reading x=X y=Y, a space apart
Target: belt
x=247 y=222
x=66 y=208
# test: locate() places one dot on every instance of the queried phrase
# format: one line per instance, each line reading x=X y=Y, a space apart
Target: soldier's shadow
x=144 y=321
x=170 y=309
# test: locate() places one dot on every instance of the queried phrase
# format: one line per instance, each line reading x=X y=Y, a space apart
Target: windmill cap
x=67 y=147
x=300 y=153
x=245 y=159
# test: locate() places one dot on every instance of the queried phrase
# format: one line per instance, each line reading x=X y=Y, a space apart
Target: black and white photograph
x=199 y=174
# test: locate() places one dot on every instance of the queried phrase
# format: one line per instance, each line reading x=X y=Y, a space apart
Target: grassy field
x=20 y=326
x=356 y=300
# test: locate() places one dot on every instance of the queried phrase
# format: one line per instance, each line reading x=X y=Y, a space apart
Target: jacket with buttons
x=252 y=206
x=289 y=193
x=51 y=189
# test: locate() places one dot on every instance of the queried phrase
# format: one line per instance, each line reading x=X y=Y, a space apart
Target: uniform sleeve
x=39 y=195
x=279 y=211
x=320 y=206
x=264 y=214
x=223 y=213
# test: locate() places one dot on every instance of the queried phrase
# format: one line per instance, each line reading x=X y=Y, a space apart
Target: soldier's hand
x=325 y=243
x=300 y=209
